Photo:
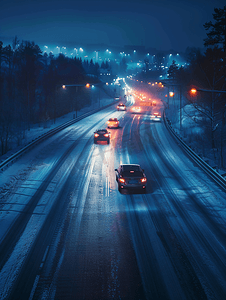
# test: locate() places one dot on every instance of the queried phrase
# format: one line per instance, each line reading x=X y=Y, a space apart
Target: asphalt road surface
x=66 y=232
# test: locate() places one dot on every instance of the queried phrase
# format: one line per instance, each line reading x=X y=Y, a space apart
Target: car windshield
x=130 y=168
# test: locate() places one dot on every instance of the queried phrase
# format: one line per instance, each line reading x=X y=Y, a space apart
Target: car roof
x=129 y=165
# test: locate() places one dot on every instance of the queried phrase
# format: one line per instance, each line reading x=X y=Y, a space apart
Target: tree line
x=206 y=72
x=31 y=87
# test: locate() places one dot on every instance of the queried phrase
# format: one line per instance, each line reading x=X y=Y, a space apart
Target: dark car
x=101 y=135
x=131 y=176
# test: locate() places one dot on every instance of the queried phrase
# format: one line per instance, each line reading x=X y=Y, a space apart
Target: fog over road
x=68 y=233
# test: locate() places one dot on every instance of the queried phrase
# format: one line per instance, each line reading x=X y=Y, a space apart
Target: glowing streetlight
x=193 y=92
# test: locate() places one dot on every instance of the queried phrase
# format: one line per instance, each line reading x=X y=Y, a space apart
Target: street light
x=193 y=92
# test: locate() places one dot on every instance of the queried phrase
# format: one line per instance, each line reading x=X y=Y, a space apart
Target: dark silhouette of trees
x=29 y=65
x=173 y=68
x=31 y=88
x=216 y=34
x=206 y=72
x=123 y=66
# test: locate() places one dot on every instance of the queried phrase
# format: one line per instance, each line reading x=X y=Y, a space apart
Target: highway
x=68 y=233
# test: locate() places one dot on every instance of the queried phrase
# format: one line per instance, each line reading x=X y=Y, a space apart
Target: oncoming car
x=131 y=176
x=121 y=106
x=113 y=123
x=156 y=117
x=136 y=109
x=101 y=135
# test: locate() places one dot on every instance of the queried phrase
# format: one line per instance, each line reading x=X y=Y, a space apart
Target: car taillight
x=143 y=179
x=96 y=134
x=106 y=135
x=122 y=180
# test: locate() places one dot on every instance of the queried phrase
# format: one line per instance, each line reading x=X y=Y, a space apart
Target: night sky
x=160 y=24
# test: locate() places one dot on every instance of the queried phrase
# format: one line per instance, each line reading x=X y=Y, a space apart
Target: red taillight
x=143 y=179
x=122 y=180
x=106 y=135
x=96 y=134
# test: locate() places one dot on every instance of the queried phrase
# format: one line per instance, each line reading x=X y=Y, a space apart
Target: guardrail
x=207 y=168
x=46 y=135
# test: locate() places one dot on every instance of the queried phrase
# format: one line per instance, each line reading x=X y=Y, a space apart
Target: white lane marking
x=34 y=287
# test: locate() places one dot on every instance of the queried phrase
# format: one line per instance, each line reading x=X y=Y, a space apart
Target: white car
x=121 y=106
x=156 y=116
x=113 y=123
x=136 y=109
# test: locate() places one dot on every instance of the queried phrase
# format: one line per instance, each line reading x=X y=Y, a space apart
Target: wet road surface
x=67 y=232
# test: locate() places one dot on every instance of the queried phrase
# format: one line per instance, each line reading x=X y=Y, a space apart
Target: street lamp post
x=76 y=94
x=87 y=85
x=171 y=94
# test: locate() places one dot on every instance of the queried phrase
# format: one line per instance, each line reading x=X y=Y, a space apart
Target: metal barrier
x=208 y=169
x=46 y=135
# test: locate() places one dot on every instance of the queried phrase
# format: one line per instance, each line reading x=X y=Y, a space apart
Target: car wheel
x=108 y=142
x=119 y=188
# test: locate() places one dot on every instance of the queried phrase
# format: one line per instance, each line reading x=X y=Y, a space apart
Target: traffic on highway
x=111 y=207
